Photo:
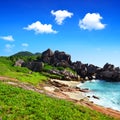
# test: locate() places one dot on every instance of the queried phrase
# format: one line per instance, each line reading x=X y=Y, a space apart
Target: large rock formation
x=109 y=72
x=34 y=66
x=85 y=70
x=46 y=56
x=56 y=58
x=61 y=59
x=66 y=75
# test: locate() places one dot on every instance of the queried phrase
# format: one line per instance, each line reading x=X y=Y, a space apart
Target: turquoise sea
x=107 y=92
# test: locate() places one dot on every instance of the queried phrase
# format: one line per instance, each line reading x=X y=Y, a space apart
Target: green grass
x=21 y=73
x=19 y=104
x=53 y=76
x=24 y=75
x=34 y=78
x=47 y=67
x=3 y=69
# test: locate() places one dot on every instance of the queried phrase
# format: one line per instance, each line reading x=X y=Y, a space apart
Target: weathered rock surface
x=56 y=58
x=67 y=75
x=34 y=66
x=19 y=62
x=46 y=56
x=85 y=70
x=109 y=72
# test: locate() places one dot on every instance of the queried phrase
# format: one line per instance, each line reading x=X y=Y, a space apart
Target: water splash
x=107 y=92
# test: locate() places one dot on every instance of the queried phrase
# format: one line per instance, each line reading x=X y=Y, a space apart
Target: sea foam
x=107 y=92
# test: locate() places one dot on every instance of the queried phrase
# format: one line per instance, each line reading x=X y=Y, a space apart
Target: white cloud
x=40 y=28
x=7 y=38
x=25 y=44
x=61 y=15
x=91 y=21
x=9 y=47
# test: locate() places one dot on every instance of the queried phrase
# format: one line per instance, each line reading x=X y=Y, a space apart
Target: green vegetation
x=53 y=76
x=19 y=104
x=21 y=73
x=24 y=53
x=5 y=65
x=48 y=67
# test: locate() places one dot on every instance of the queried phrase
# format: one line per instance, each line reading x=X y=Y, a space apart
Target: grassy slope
x=22 y=74
x=19 y=104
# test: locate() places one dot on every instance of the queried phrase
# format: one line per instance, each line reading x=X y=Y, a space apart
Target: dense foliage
x=24 y=53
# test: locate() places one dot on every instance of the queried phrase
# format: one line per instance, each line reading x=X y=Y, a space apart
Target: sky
x=88 y=30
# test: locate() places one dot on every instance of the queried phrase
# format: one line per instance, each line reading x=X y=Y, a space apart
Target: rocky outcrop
x=85 y=70
x=60 y=59
x=34 y=66
x=109 y=73
x=46 y=56
x=56 y=58
x=88 y=72
x=19 y=62
x=66 y=75
x=108 y=67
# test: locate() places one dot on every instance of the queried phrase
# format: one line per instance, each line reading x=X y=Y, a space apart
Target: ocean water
x=107 y=92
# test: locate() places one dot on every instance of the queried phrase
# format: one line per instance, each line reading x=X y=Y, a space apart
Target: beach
x=68 y=90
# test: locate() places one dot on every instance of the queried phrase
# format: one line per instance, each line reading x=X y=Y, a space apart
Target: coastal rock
x=58 y=84
x=46 y=56
x=109 y=73
x=61 y=59
x=34 y=66
x=56 y=58
x=86 y=71
x=66 y=75
x=108 y=67
x=83 y=71
x=113 y=76
x=80 y=68
x=95 y=97
x=19 y=62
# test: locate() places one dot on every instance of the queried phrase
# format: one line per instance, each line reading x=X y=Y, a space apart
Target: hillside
x=23 y=53
x=25 y=96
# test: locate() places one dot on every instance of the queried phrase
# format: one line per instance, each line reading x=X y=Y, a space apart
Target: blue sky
x=88 y=30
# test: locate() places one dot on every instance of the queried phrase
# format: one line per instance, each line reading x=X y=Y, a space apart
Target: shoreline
x=57 y=89
x=68 y=90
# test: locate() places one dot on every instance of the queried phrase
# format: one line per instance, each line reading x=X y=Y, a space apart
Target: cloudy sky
x=88 y=30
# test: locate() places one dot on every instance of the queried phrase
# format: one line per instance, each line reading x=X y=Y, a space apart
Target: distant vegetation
x=25 y=55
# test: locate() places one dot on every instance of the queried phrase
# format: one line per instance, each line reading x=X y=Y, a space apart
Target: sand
x=71 y=93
